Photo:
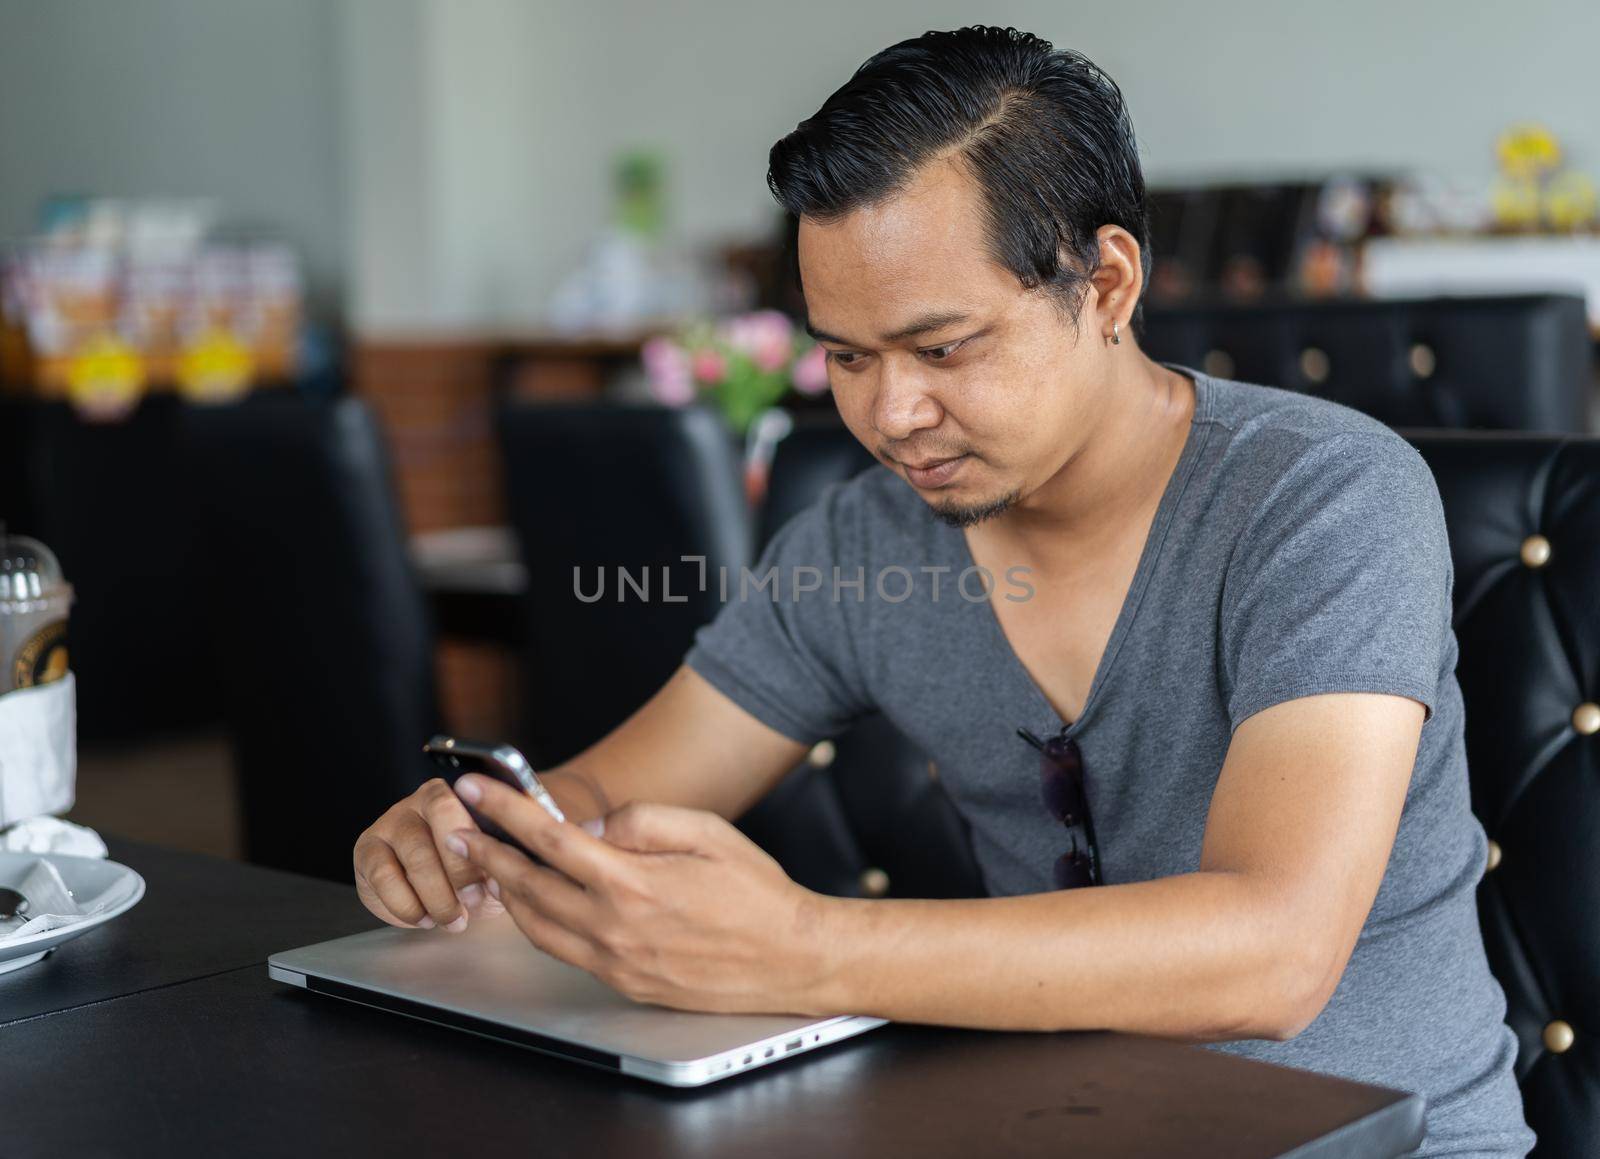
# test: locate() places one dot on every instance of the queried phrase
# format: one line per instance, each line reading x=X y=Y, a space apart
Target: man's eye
x=843 y=357
x=940 y=353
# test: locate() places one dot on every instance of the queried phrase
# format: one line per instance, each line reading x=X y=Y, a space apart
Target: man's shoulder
x=1274 y=435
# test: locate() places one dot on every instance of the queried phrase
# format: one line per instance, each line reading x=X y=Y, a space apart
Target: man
x=1228 y=620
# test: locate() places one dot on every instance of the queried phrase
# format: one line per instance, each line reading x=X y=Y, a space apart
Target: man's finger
x=582 y=857
x=551 y=937
x=425 y=872
x=444 y=813
x=649 y=828
x=551 y=895
x=381 y=877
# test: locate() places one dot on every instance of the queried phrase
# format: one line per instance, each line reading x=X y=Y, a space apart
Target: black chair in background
x=1506 y=363
x=606 y=501
x=110 y=500
x=1524 y=520
x=323 y=637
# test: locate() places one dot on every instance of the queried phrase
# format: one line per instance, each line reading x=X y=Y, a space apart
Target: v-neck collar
x=1041 y=709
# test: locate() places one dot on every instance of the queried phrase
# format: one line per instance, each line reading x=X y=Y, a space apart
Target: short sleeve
x=1341 y=582
x=782 y=646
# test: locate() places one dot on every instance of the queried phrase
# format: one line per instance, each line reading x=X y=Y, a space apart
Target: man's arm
x=689 y=745
x=1251 y=946
x=675 y=907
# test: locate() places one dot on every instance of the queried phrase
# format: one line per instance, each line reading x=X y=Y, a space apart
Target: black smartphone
x=504 y=763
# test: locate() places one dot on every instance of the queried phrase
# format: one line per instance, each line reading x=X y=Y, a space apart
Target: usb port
x=793 y=1044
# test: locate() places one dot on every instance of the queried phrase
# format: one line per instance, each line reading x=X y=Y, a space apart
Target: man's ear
x=1118 y=280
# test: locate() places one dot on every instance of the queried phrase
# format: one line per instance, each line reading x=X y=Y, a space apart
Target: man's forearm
x=1202 y=956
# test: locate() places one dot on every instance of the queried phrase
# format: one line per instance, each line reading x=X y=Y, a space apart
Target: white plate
x=87 y=878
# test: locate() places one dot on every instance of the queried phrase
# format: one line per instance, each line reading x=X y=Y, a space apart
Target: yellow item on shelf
x=1570 y=201
x=1516 y=203
x=1528 y=150
x=105 y=377
x=215 y=367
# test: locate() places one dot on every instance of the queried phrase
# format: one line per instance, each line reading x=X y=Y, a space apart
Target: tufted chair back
x=1524 y=520
x=1507 y=363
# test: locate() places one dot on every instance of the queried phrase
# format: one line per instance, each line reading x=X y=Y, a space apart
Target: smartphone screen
x=455 y=757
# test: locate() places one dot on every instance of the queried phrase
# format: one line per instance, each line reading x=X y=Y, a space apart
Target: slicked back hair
x=1042 y=130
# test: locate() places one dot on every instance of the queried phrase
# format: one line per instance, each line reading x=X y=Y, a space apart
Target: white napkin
x=38 y=749
x=52 y=835
x=51 y=904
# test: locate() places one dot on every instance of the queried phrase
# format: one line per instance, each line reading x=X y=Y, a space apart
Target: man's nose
x=903 y=405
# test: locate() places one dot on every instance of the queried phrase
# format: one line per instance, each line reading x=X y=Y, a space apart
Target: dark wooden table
x=160 y=1034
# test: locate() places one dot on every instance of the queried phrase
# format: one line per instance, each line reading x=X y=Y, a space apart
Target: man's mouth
x=931 y=473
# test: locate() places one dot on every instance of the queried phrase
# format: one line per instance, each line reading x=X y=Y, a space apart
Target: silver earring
x=1116 y=337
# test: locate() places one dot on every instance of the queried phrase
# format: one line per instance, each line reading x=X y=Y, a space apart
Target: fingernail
x=491 y=907
x=468 y=789
x=457 y=926
x=471 y=895
x=494 y=889
x=425 y=922
x=595 y=826
x=456 y=845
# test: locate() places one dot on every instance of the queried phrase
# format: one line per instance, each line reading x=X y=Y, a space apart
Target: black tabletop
x=199 y=916
x=231 y=1062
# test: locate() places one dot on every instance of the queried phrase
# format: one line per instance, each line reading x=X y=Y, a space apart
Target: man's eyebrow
x=922 y=325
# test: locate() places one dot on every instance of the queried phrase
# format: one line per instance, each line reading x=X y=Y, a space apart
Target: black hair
x=1043 y=131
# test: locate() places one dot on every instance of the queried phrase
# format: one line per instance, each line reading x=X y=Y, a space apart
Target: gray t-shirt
x=1299 y=548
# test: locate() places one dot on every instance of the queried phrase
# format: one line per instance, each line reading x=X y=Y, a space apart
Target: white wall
x=214 y=98
x=533 y=99
x=449 y=157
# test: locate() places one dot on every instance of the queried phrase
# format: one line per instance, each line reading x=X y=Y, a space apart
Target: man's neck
x=1118 y=475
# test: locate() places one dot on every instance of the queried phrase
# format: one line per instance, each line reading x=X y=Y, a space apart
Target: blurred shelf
x=1395 y=267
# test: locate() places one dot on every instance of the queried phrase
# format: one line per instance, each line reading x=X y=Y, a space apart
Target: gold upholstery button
x=1535 y=551
x=1218 y=364
x=1558 y=1037
x=1494 y=855
x=821 y=754
x=1423 y=361
x=933 y=771
x=874 y=883
x=1314 y=364
x=1586 y=718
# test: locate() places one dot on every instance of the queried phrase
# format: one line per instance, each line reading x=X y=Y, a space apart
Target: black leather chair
x=1524 y=522
x=111 y=501
x=324 y=642
x=1505 y=363
x=595 y=491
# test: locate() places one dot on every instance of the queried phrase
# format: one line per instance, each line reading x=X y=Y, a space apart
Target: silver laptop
x=491 y=981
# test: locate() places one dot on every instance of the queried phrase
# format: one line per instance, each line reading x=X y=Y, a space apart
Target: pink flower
x=667 y=364
x=709 y=367
x=811 y=371
x=767 y=336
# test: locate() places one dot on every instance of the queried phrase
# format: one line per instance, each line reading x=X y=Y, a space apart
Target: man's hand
x=406 y=876
x=674 y=906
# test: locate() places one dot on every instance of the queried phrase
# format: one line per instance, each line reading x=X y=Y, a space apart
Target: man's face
x=971 y=387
